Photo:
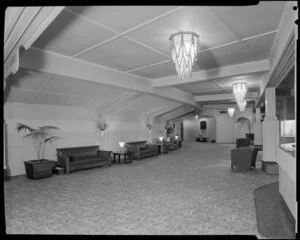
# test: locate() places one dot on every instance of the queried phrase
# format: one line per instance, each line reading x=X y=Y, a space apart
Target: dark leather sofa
x=77 y=158
x=141 y=149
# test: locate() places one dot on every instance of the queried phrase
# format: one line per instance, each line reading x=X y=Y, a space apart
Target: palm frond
x=22 y=127
x=45 y=128
x=50 y=139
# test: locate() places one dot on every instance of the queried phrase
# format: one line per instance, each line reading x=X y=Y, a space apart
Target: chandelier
x=239 y=91
x=242 y=105
x=231 y=111
x=184 y=48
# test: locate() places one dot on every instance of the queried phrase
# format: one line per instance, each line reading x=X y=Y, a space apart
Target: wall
x=191 y=128
x=287 y=179
x=227 y=130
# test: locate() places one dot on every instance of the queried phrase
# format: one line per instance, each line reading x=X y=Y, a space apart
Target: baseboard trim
x=6 y=174
x=288 y=212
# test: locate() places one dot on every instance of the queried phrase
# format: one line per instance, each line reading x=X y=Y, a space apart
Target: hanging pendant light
x=184 y=49
x=231 y=111
x=242 y=105
x=240 y=91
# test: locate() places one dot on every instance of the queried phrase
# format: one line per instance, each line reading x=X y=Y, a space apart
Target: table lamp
x=122 y=144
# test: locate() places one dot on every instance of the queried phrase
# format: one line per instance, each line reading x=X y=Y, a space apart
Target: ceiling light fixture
x=231 y=111
x=240 y=91
x=242 y=105
x=184 y=49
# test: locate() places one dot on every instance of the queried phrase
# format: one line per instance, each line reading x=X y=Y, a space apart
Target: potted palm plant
x=247 y=122
x=39 y=168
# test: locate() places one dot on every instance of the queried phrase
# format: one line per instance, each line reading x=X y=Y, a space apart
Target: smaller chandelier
x=184 y=49
x=231 y=111
x=239 y=91
x=242 y=105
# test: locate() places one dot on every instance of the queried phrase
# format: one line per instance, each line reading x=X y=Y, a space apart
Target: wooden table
x=127 y=156
x=163 y=148
x=201 y=139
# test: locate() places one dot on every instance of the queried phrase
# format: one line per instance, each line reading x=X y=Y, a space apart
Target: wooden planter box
x=36 y=169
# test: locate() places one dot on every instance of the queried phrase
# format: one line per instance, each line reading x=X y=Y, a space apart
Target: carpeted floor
x=272 y=218
x=191 y=190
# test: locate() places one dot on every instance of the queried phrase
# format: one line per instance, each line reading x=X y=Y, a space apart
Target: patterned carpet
x=188 y=191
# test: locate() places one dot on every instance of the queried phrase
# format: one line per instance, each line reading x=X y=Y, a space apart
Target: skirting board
x=6 y=174
x=287 y=210
x=270 y=167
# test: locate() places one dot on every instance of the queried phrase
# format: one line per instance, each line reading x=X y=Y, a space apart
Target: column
x=258 y=128
x=270 y=127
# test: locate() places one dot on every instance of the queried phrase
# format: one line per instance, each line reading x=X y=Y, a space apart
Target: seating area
x=77 y=158
x=147 y=119
x=142 y=149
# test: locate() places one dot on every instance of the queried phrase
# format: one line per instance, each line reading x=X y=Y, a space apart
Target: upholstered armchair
x=244 y=157
x=242 y=142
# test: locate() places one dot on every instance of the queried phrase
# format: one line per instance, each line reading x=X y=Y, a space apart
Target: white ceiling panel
x=198 y=87
x=201 y=20
x=148 y=102
x=260 y=47
x=229 y=55
x=157 y=71
x=252 y=20
x=28 y=81
x=17 y=95
x=72 y=87
x=122 y=54
x=69 y=34
x=121 y=18
x=59 y=99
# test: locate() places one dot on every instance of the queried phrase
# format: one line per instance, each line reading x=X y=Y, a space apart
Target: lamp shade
x=184 y=48
x=161 y=139
x=176 y=137
x=121 y=144
x=231 y=111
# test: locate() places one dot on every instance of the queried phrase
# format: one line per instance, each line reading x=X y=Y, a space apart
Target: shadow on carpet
x=273 y=220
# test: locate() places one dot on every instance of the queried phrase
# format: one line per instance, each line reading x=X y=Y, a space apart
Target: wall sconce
x=161 y=139
x=176 y=137
x=196 y=116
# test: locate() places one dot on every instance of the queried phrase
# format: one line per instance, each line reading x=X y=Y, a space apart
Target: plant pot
x=36 y=169
x=250 y=136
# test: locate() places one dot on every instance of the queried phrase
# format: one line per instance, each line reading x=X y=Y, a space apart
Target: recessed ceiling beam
x=228 y=71
x=162 y=110
x=279 y=58
x=216 y=97
x=59 y=65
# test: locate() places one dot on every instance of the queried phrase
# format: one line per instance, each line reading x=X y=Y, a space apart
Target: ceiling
x=134 y=40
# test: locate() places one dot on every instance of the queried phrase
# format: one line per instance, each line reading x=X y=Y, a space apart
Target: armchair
x=244 y=157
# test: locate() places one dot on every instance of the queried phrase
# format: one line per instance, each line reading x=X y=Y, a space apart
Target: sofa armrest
x=64 y=161
x=105 y=155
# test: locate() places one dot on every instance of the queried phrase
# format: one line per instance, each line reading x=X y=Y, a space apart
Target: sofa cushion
x=78 y=161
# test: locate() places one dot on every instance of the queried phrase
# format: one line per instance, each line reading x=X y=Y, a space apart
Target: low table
x=127 y=156
x=163 y=148
x=201 y=139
